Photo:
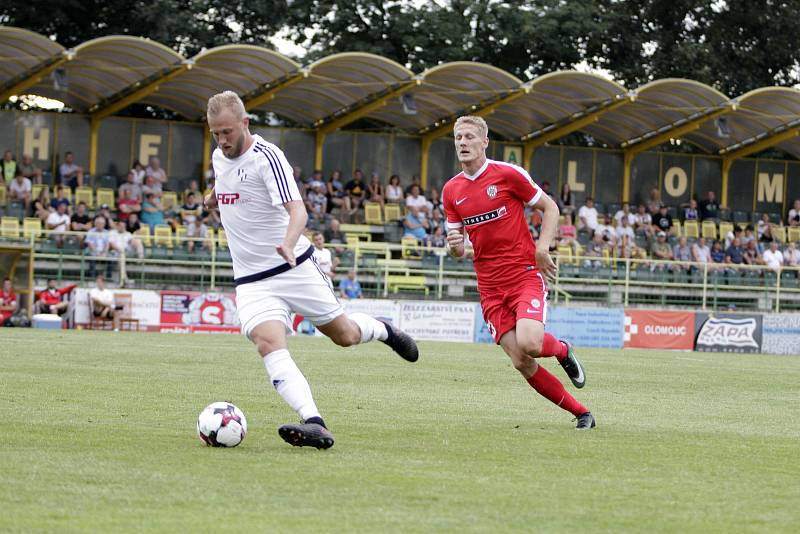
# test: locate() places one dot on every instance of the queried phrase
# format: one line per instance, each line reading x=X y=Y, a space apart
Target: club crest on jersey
x=491 y=191
x=481 y=218
x=227 y=198
x=241 y=174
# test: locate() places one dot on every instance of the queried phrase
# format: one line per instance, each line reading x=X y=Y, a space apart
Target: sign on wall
x=728 y=332
x=650 y=329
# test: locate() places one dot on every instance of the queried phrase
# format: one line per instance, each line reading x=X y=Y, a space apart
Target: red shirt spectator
x=8 y=303
x=49 y=300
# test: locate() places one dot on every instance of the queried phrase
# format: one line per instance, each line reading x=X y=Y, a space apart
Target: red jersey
x=491 y=206
x=54 y=297
x=7 y=299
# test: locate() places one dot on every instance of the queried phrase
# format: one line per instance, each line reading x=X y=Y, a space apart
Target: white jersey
x=251 y=191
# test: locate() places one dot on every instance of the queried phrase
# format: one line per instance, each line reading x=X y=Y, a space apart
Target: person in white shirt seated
x=624 y=229
x=417 y=203
x=607 y=231
x=121 y=240
x=323 y=256
x=700 y=251
x=625 y=213
x=101 y=302
x=643 y=221
x=587 y=216
x=793 y=219
x=58 y=223
x=791 y=256
x=773 y=257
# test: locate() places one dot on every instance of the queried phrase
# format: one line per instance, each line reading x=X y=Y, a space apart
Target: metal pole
x=705 y=284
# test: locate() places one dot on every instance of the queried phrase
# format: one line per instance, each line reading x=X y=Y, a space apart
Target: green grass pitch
x=98 y=435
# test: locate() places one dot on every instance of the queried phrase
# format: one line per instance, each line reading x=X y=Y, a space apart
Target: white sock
x=290 y=383
x=371 y=328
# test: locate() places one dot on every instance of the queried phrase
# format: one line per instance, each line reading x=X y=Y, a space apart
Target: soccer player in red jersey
x=487 y=200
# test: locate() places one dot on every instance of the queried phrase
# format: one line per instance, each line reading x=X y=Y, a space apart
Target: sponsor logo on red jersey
x=481 y=218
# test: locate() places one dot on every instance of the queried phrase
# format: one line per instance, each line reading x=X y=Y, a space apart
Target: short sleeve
x=522 y=185
x=453 y=220
x=277 y=174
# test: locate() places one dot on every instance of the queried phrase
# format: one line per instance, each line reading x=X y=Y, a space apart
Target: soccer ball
x=221 y=424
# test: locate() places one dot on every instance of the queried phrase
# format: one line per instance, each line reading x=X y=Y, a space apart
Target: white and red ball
x=221 y=424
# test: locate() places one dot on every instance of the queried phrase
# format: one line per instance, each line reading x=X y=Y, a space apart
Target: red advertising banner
x=192 y=311
x=646 y=329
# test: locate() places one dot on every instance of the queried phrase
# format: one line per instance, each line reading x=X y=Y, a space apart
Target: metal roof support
x=444 y=126
x=33 y=76
x=660 y=136
x=741 y=150
x=262 y=96
x=355 y=112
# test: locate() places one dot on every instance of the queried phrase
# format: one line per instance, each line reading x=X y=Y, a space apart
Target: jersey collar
x=475 y=176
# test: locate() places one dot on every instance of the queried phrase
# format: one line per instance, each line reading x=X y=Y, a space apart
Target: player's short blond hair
x=226 y=100
x=478 y=122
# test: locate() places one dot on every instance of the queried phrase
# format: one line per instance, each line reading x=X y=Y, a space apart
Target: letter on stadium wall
x=572 y=177
x=37 y=146
x=148 y=146
x=675 y=182
x=512 y=154
x=770 y=188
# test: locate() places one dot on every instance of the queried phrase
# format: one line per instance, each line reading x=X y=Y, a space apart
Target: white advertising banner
x=144 y=305
x=438 y=321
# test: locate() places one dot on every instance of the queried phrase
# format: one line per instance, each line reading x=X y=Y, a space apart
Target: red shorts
x=504 y=306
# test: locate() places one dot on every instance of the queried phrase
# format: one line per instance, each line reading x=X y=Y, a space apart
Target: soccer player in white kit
x=264 y=218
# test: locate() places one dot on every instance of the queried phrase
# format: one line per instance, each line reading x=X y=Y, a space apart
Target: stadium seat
x=107 y=181
x=162 y=235
x=9 y=227
x=677 y=229
x=84 y=194
x=564 y=255
x=709 y=229
x=106 y=196
x=363 y=231
x=67 y=194
x=774 y=218
x=409 y=248
x=144 y=235
x=222 y=238
x=778 y=233
x=372 y=213
x=392 y=212
x=741 y=217
x=32 y=226
x=793 y=233
x=394 y=283
x=376 y=248
x=724 y=229
x=36 y=189
x=169 y=199
x=180 y=235
x=692 y=229
x=2 y=196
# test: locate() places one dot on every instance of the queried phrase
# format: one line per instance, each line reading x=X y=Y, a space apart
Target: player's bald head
x=226 y=100
x=478 y=122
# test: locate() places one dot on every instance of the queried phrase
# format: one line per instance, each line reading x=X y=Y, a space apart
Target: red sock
x=550 y=388
x=553 y=347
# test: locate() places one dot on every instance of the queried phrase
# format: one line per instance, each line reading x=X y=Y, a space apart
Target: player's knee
x=525 y=364
x=532 y=346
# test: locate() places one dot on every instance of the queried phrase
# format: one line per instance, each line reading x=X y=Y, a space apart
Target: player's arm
x=547 y=234
x=455 y=228
x=298 y=217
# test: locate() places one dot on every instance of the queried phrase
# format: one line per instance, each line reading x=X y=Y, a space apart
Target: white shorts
x=304 y=290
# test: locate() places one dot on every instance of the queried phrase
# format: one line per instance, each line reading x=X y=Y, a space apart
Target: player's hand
x=455 y=240
x=210 y=201
x=287 y=253
x=545 y=264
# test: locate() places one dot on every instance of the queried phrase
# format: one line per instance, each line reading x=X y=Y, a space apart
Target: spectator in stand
x=102 y=302
x=736 y=232
x=793 y=219
x=566 y=200
x=357 y=191
x=191 y=215
x=130 y=186
x=50 y=300
x=57 y=223
x=417 y=203
x=29 y=170
x=683 y=253
x=643 y=221
x=152 y=213
x=105 y=213
x=624 y=229
x=302 y=183
x=435 y=201
x=662 y=221
x=752 y=256
x=709 y=208
x=337 y=196
x=717 y=254
x=606 y=230
x=627 y=248
x=81 y=221
x=152 y=187
x=126 y=205
x=325 y=260
x=734 y=255
x=194 y=188
x=155 y=171
x=764 y=229
x=375 y=190
x=773 y=257
x=791 y=257
x=660 y=250
x=438 y=237
x=8 y=303
x=333 y=234
x=394 y=192
x=132 y=224
x=654 y=203
x=139 y=173
x=122 y=241
x=71 y=174
x=691 y=213
x=349 y=288
x=97 y=245
x=60 y=198
x=567 y=233
x=587 y=216
x=41 y=206
x=19 y=190
x=594 y=252
x=417 y=226
x=316 y=203
x=749 y=235
x=438 y=221
x=9 y=167
x=700 y=251
x=211 y=218
x=415 y=180
x=625 y=213
x=535 y=218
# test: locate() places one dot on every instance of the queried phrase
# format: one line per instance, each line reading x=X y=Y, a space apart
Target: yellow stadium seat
x=378 y=248
x=144 y=235
x=180 y=234
x=564 y=255
x=709 y=229
x=794 y=233
x=395 y=283
x=36 y=189
x=68 y=194
x=2 y=195
x=162 y=236
x=725 y=228
x=31 y=226
x=222 y=238
x=361 y=230
x=676 y=228
x=778 y=233
x=84 y=194
x=372 y=213
x=392 y=212
x=9 y=227
x=691 y=229
x=409 y=247
x=105 y=195
x=169 y=199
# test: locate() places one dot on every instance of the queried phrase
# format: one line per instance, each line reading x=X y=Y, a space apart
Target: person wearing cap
x=662 y=221
x=105 y=213
x=660 y=250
